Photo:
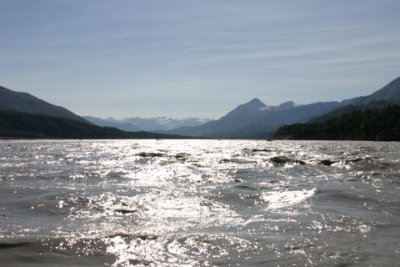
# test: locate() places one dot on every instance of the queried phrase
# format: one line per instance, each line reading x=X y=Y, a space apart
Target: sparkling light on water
x=199 y=202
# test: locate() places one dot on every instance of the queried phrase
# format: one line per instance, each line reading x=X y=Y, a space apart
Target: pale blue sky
x=195 y=58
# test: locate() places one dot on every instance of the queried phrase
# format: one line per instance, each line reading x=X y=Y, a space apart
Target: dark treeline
x=24 y=125
x=337 y=112
x=382 y=124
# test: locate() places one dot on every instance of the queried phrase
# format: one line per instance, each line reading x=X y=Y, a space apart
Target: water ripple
x=199 y=202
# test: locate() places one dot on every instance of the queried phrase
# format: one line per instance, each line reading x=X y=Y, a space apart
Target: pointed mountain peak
x=255 y=102
x=253 y=105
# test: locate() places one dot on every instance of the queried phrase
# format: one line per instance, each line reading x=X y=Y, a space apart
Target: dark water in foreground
x=199 y=202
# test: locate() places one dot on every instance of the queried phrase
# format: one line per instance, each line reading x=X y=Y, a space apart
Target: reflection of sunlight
x=183 y=202
x=160 y=176
x=147 y=251
x=174 y=212
x=172 y=250
x=281 y=199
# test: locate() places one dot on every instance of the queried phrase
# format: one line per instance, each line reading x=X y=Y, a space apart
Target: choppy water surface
x=199 y=202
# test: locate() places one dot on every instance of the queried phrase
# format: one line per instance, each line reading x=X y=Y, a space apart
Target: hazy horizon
x=196 y=58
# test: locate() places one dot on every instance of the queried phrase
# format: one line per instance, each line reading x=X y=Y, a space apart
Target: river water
x=199 y=203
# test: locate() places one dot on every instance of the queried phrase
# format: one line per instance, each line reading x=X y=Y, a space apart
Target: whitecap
x=281 y=199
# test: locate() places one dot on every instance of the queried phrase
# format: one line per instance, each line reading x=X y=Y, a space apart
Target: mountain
x=341 y=110
x=389 y=92
x=287 y=105
x=124 y=126
x=372 y=117
x=24 y=102
x=163 y=123
x=146 y=124
x=26 y=125
x=378 y=124
x=252 y=106
x=250 y=119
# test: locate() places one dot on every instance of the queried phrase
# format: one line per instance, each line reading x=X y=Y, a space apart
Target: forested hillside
x=25 y=125
x=24 y=102
x=381 y=124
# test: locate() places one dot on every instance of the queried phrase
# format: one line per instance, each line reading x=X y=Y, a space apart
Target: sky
x=196 y=58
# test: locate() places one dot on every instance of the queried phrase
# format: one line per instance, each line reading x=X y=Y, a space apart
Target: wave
x=282 y=199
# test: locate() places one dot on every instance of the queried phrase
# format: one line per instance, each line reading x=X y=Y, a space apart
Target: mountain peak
x=255 y=102
x=253 y=105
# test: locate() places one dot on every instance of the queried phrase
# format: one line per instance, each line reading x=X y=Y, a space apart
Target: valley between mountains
x=24 y=115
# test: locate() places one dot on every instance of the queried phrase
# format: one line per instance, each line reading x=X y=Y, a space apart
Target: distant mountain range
x=124 y=126
x=256 y=120
x=147 y=124
x=164 y=123
x=25 y=116
x=15 y=124
x=252 y=120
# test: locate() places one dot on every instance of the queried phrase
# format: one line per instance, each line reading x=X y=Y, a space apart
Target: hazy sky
x=196 y=58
